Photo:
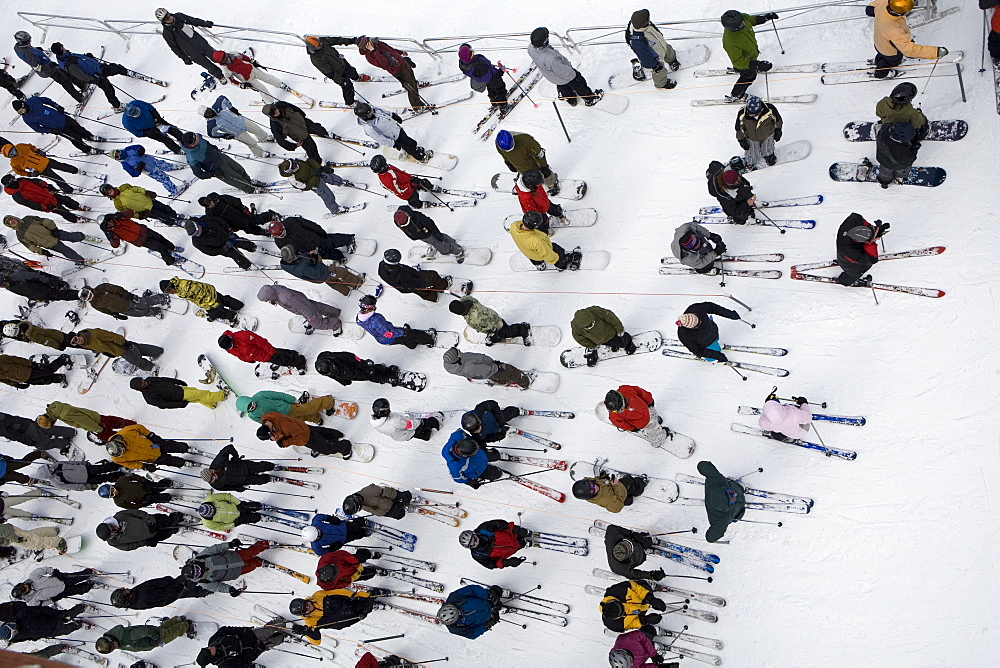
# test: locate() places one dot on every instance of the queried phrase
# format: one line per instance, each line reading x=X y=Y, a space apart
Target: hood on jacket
x=267 y=293
x=243 y=404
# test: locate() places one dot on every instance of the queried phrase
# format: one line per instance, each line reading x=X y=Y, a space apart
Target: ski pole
x=230 y=439
x=510 y=621
x=308 y=656
x=504 y=447
x=722 y=272
x=928 y=82
x=774 y=524
x=874 y=295
x=767 y=88
x=510 y=475
x=246 y=157
x=811 y=403
x=693 y=577
x=296 y=74
x=734 y=369
x=516 y=83
x=982 y=56
x=780 y=229
x=348 y=184
x=345 y=144
x=268 y=491
x=434 y=195
x=436 y=491
x=750 y=324
x=775 y=26
x=428 y=176
x=176 y=199
x=692 y=530
x=371 y=640
x=86 y=162
x=818 y=436
x=740 y=303
x=123 y=91
x=284 y=593
x=677 y=637
x=756 y=470
x=94 y=120
x=559 y=116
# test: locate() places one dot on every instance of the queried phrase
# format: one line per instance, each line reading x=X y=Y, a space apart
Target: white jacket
x=553 y=65
x=382 y=128
x=787 y=419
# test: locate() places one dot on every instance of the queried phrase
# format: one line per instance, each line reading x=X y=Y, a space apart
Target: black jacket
x=186 y=43
x=346 y=368
x=163 y=591
x=303 y=234
x=339 y=612
x=734 y=205
x=32 y=288
x=853 y=256
x=707 y=332
x=400 y=276
x=18 y=429
x=164 y=392
x=616 y=534
x=235 y=647
x=420 y=226
x=720 y=509
x=235 y=213
x=234 y=470
x=891 y=154
x=36 y=622
x=328 y=60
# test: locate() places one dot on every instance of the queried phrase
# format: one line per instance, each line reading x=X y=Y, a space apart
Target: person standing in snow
x=309 y=237
x=143 y=120
x=216 y=305
x=207 y=161
x=132 y=491
x=630 y=408
x=237 y=646
x=758 y=127
x=249 y=347
x=857 y=249
x=42 y=196
x=38 y=433
x=522 y=153
x=651 y=51
x=43 y=115
x=238 y=216
x=332 y=65
x=86 y=70
x=129 y=530
x=288 y=432
x=626 y=551
x=29 y=160
x=166 y=393
x=740 y=44
x=328 y=533
x=403 y=426
x=734 y=193
x=387 y=334
x=212 y=236
x=266 y=401
x=468 y=462
x=316 y=315
x=473 y=610
x=136 y=202
x=333 y=610
x=395 y=62
x=134 y=161
x=895 y=151
x=635 y=647
x=230 y=472
x=530 y=235
x=494 y=543
x=425 y=283
x=384 y=127
x=21 y=372
x=378 y=500
x=725 y=502
x=216 y=565
x=136 y=447
x=9 y=83
x=595 y=326
x=119 y=227
x=487 y=321
x=246 y=72
x=40 y=235
x=339 y=569
x=893 y=40
x=477 y=366
x=531 y=195
x=698 y=248
x=113 y=344
x=556 y=68
x=46 y=585
x=38 y=286
x=36 y=59
x=420 y=227
x=310 y=175
x=785 y=421
x=699 y=333
x=224 y=121
x=625 y=606
x=187 y=43
x=612 y=494
x=223 y=512
x=483 y=75
x=120 y=304
x=345 y=368
x=292 y=129
x=993 y=41
x=401 y=184
x=156 y=593
x=897 y=107
x=99 y=428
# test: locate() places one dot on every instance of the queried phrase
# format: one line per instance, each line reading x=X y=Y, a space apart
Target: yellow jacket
x=535 y=244
x=200 y=294
x=133 y=198
x=892 y=35
x=138 y=448
x=634 y=595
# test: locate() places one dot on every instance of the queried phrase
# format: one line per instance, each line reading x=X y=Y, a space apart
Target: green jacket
x=200 y=294
x=227 y=510
x=267 y=401
x=52 y=338
x=593 y=326
x=131 y=491
x=97 y=340
x=134 y=198
x=889 y=112
x=328 y=60
x=111 y=299
x=145 y=637
x=14 y=370
x=610 y=495
x=482 y=318
x=36 y=233
x=81 y=418
x=719 y=506
x=742 y=44
x=526 y=155
x=308 y=174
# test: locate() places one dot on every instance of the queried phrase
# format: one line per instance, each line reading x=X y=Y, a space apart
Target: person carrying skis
x=212 y=236
x=758 y=127
x=468 y=463
x=345 y=368
x=43 y=115
x=896 y=151
x=42 y=236
x=288 y=432
x=626 y=551
x=207 y=161
x=332 y=65
x=33 y=434
x=216 y=305
x=32 y=623
x=132 y=491
x=316 y=315
x=384 y=127
x=897 y=107
x=857 y=249
x=530 y=235
x=230 y=472
x=310 y=175
x=610 y=493
x=157 y=593
x=332 y=610
x=135 y=447
x=223 y=512
x=403 y=185
x=893 y=40
x=41 y=196
x=86 y=70
x=477 y=366
x=699 y=333
x=625 y=606
x=378 y=500
x=292 y=129
x=187 y=43
x=99 y=428
x=630 y=408
x=483 y=75
x=420 y=227
x=487 y=321
x=327 y=533
x=239 y=646
x=80 y=476
x=113 y=344
x=337 y=570
x=249 y=347
x=29 y=160
x=142 y=637
x=698 y=248
x=425 y=283
x=246 y=72
x=46 y=585
x=522 y=153
x=595 y=326
x=164 y=392
x=532 y=196
x=403 y=426
x=266 y=401
x=239 y=217
x=143 y=120
x=725 y=502
x=651 y=51
x=307 y=236
x=214 y=566
x=120 y=304
x=36 y=59
x=783 y=422
x=387 y=334
x=395 y=62
x=224 y=121
x=134 y=161
x=38 y=286
x=21 y=372
x=119 y=227
x=494 y=543
x=740 y=44
x=735 y=194
x=472 y=610
x=635 y=648
x=570 y=84
x=129 y=530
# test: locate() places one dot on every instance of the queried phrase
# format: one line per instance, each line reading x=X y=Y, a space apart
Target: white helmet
x=11 y=330
x=620 y=658
x=449 y=614
x=310 y=534
x=160 y=13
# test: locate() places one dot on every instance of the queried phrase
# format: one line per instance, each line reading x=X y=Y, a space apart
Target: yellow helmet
x=901 y=6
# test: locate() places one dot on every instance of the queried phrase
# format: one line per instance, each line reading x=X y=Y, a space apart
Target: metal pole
x=535 y=104
x=559 y=115
x=775 y=26
x=756 y=470
x=295 y=74
x=729 y=364
x=780 y=229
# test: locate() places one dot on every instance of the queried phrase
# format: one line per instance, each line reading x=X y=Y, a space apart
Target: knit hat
x=622 y=550
x=312 y=43
x=452 y=355
x=20 y=106
x=202 y=109
x=688 y=320
x=400 y=217
x=208 y=475
x=460 y=307
x=640 y=18
x=539 y=37
x=263 y=433
x=730 y=176
x=189 y=139
x=464 y=53
x=206 y=511
x=690 y=241
x=287 y=167
x=135 y=383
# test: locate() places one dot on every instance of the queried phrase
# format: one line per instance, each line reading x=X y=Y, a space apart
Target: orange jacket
x=290 y=431
x=138 y=448
x=27 y=158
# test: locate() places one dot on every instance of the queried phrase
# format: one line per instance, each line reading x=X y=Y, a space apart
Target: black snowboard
x=855 y=171
x=939 y=131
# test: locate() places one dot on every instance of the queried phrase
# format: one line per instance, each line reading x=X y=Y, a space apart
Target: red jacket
x=125 y=230
x=241 y=65
x=250 y=347
x=533 y=201
x=397 y=182
x=34 y=194
x=348 y=569
x=636 y=413
x=385 y=58
x=505 y=543
x=367 y=661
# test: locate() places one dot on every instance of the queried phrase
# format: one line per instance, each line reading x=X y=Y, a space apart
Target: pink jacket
x=785 y=418
x=639 y=645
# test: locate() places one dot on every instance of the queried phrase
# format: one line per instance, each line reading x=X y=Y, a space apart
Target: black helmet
x=612 y=609
x=539 y=37
x=122 y=598
x=532 y=219
x=465 y=448
x=325 y=365
x=352 y=504
x=367 y=300
x=297 y=606
x=380 y=408
x=732 y=20
x=392 y=256
x=57 y=48
x=584 y=489
x=614 y=401
x=903 y=93
x=460 y=306
x=532 y=178
x=471 y=422
x=378 y=163
x=363 y=110
x=327 y=573
x=225 y=342
x=189 y=140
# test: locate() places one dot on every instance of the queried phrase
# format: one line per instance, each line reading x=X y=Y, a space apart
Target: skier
x=86 y=70
x=157 y=593
x=625 y=606
x=129 y=530
x=21 y=372
x=494 y=543
x=239 y=217
x=378 y=500
x=758 y=127
x=266 y=401
x=9 y=467
x=895 y=151
x=246 y=72
x=223 y=512
x=136 y=202
x=893 y=40
x=186 y=42
x=306 y=236
x=99 y=428
x=420 y=227
x=403 y=426
x=288 y=431
x=522 y=153
x=472 y=610
x=38 y=287
x=230 y=472
x=239 y=646
x=487 y=321
x=164 y=392
x=425 y=283
x=43 y=115
x=328 y=532
x=310 y=175
x=119 y=227
x=41 y=196
x=29 y=160
x=135 y=447
x=113 y=344
x=555 y=67
x=531 y=195
x=212 y=236
x=316 y=315
x=37 y=60
x=857 y=249
x=38 y=622
x=532 y=239
x=785 y=421
x=626 y=551
x=332 y=610
x=46 y=585
x=724 y=501
x=224 y=121
x=698 y=248
x=292 y=129
x=608 y=493
x=630 y=408
x=249 y=347
x=477 y=366
x=468 y=463
x=386 y=333
x=132 y=491
x=651 y=51
x=384 y=127
x=897 y=107
x=42 y=236
x=735 y=194
x=120 y=304
x=740 y=44
x=332 y=65
x=134 y=161
x=339 y=569
x=9 y=83
x=142 y=637
x=33 y=434
x=699 y=333
x=214 y=566
x=635 y=647
x=993 y=41
x=80 y=476
x=483 y=75
x=403 y=185
x=216 y=305
x=345 y=368
x=39 y=538
x=207 y=161
x=395 y=62
x=143 y=120
x=595 y=326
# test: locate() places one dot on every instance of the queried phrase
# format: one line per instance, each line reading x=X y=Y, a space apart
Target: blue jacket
x=383 y=330
x=204 y=158
x=641 y=48
x=79 y=66
x=487 y=410
x=144 y=121
x=3 y=466
x=43 y=115
x=225 y=122
x=464 y=469
x=307 y=268
x=36 y=59
x=135 y=155
x=332 y=531
x=473 y=601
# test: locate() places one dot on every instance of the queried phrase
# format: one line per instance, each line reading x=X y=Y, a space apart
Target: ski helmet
x=11 y=330
x=363 y=110
x=192 y=570
x=623 y=550
x=132 y=110
x=189 y=139
x=861 y=233
x=161 y=14
x=754 y=105
x=352 y=504
x=449 y=614
x=900 y=7
x=367 y=303
x=585 y=489
x=116 y=446
x=225 y=342
x=104 y=491
x=380 y=408
x=732 y=20
x=297 y=606
x=104 y=531
x=614 y=401
x=532 y=220
x=22 y=37
x=379 y=164
x=613 y=609
x=468 y=539
x=106 y=189
x=539 y=37
x=505 y=140
x=276 y=229
x=392 y=256
x=471 y=422
x=121 y=598
x=401 y=217
x=19 y=591
x=465 y=448
x=105 y=644
x=218 y=56
x=532 y=178
x=327 y=573
x=620 y=658
x=902 y=133
x=312 y=44
x=310 y=534
x=903 y=93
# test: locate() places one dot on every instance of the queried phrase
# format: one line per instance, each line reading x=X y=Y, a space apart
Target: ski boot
x=575 y=258
x=770 y=159
x=591 y=101
x=736 y=99
x=638 y=73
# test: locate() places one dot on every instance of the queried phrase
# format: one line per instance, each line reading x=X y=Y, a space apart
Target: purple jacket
x=478 y=69
x=785 y=418
x=384 y=331
x=639 y=645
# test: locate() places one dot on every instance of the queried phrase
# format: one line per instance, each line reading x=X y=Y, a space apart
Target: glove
x=744 y=144
x=512 y=562
x=657 y=604
x=396 y=118
x=236 y=543
x=228 y=136
x=155 y=438
x=151 y=194
x=942 y=52
x=800 y=400
x=149 y=466
x=209 y=24
x=188 y=62
x=777 y=134
x=721 y=248
x=493 y=620
x=652 y=619
x=770 y=16
x=60 y=107
x=409 y=62
x=881 y=229
x=657 y=660
x=141 y=167
x=363 y=554
x=45 y=253
x=764 y=66
x=234 y=592
x=299 y=628
x=658 y=574
x=521 y=532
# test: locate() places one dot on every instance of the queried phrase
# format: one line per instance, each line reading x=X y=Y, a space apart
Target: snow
x=893 y=566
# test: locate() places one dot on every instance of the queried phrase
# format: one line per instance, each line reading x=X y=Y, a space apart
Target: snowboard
x=939 y=130
x=275 y=371
x=212 y=375
x=568 y=188
x=412 y=380
x=445 y=339
x=120 y=366
x=691 y=57
x=668 y=489
x=676 y=444
x=785 y=153
x=779 y=99
x=543 y=381
x=476 y=256
x=360 y=452
x=348 y=329
x=930 y=177
x=208 y=83
x=645 y=342
x=442 y=161
x=365 y=247
x=544 y=336
x=591 y=261
x=571 y=218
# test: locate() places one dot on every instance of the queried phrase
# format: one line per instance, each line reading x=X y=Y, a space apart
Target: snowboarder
x=46 y=585
x=292 y=129
x=224 y=512
x=993 y=41
x=187 y=43
x=212 y=236
x=420 y=227
x=316 y=315
x=395 y=62
x=136 y=202
x=142 y=637
x=21 y=372
x=626 y=551
x=785 y=421
x=483 y=75
x=42 y=236
x=37 y=622
x=635 y=647
x=610 y=494
x=310 y=175
x=135 y=447
x=119 y=227
x=477 y=366
x=472 y=610
x=143 y=120
x=33 y=434
x=345 y=368
x=522 y=153
x=758 y=127
x=570 y=84
x=387 y=334
x=164 y=392
x=532 y=196
x=246 y=72
x=893 y=40
x=494 y=543
x=487 y=321
x=595 y=326
x=699 y=333
x=29 y=160
x=224 y=121
x=41 y=196
x=897 y=107
x=857 y=249
x=129 y=530
x=266 y=401
x=698 y=248
x=80 y=476
x=207 y=161
x=532 y=239
x=337 y=570
x=403 y=185
x=9 y=467
x=216 y=305
x=38 y=286
x=384 y=127
x=37 y=60
x=306 y=236
x=310 y=267
x=43 y=115
x=86 y=70
x=895 y=152
x=332 y=610
x=468 y=463
x=425 y=283
x=237 y=646
x=157 y=593
x=249 y=347
x=239 y=217
x=332 y=65
x=288 y=431
x=724 y=501
x=625 y=606
x=378 y=500
x=113 y=344
x=120 y=304
x=328 y=532
x=735 y=194
x=651 y=51
x=134 y=161
x=230 y=472
x=214 y=566
x=403 y=426
x=99 y=428
x=132 y=491
x=630 y=408
x=740 y=44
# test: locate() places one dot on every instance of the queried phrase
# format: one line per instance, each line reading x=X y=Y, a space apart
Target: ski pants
x=747 y=77
x=496 y=89
x=204 y=59
x=576 y=88
x=330 y=247
x=408 y=145
x=888 y=175
x=76 y=133
x=10 y=501
x=323 y=190
x=634 y=486
x=160 y=245
x=410 y=85
x=443 y=244
x=268 y=636
x=249 y=556
x=173 y=628
x=327 y=441
x=258 y=78
x=46 y=373
x=310 y=410
x=434 y=285
x=347 y=80
x=287 y=357
x=65 y=250
x=253 y=134
x=509 y=331
x=50 y=173
x=142 y=307
x=343 y=280
x=992 y=43
x=507 y=374
x=37 y=539
x=225 y=308
x=76 y=583
x=204 y=397
x=425 y=428
x=249 y=514
x=884 y=64
x=101 y=81
x=234 y=175
x=754 y=156
x=413 y=338
x=10 y=84
x=653 y=432
x=156 y=134
x=162 y=212
x=62 y=78
x=109 y=425
x=852 y=271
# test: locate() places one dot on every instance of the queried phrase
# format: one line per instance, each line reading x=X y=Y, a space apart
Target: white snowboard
x=543 y=336
x=592 y=260
x=360 y=452
x=573 y=218
x=568 y=188
x=476 y=256
x=661 y=488
x=365 y=247
x=350 y=330
x=691 y=57
x=445 y=339
x=676 y=444
x=442 y=161
x=610 y=103
x=797 y=150
x=645 y=342
x=543 y=381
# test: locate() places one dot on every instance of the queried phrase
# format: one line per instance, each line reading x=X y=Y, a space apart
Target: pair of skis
x=777 y=501
x=661 y=544
x=798 y=273
x=550 y=607
x=674 y=348
x=671 y=266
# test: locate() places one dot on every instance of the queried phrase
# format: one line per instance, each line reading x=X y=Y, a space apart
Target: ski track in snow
x=894 y=566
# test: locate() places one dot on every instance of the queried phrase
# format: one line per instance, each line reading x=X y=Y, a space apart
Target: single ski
x=920 y=252
x=704 y=657
x=357 y=142
x=530 y=483
x=476 y=194
x=772 y=274
x=771 y=371
x=778 y=99
x=444 y=518
x=823 y=417
x=554 y=464
x=407 y=114
x=773 y=204
x=777 y=69
x=294 y=481
x=308 y=101
x=411 y=595
x=708 y=599
x=557 y=538
x=565 y=415
x=690 y=638
x=541 y=440
x=286 y=570
x=933 y=293
x=409 y=561
x=725 y=220
x=703 y=615
x=777 y=497
x=775 y=352
x=425 y=84
x=558 y=547
x=829 y=452
x=444 y=508
x=534 y=600
x=763 y=257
